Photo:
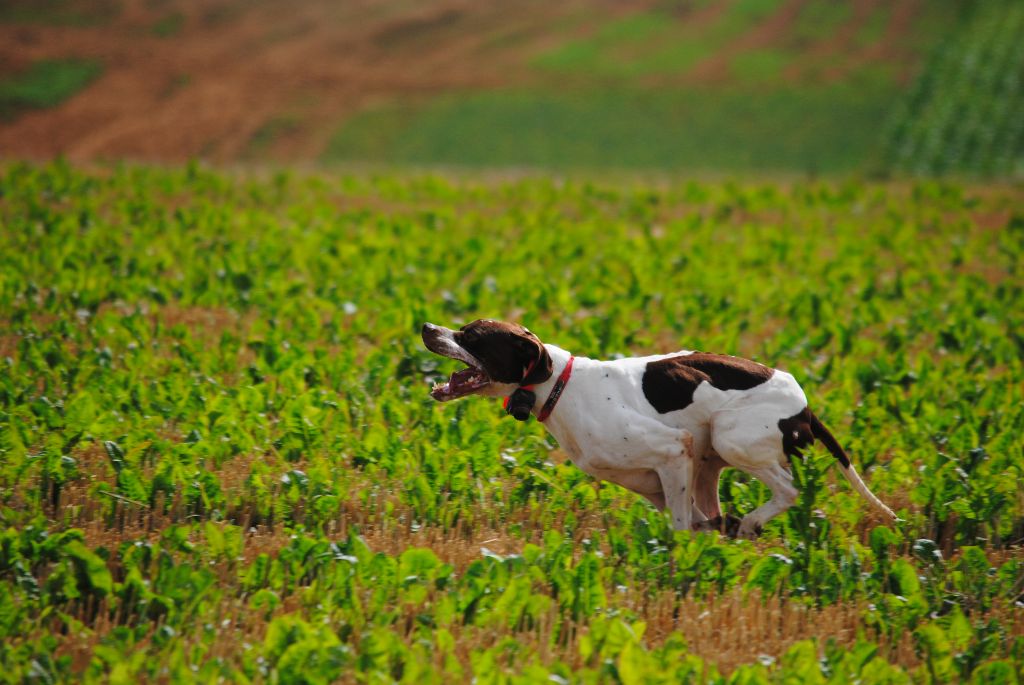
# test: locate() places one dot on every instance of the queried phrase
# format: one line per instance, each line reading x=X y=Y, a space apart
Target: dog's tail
x=822 y=433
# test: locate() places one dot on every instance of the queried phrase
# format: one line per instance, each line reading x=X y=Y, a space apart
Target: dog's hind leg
x=655 y=498
x=705 y=487
x=745 y=440
x=706 y=498
x=784 y=494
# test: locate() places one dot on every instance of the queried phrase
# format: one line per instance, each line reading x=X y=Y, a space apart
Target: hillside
x=797 y=85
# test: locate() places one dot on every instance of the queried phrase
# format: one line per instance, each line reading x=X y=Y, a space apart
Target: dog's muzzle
x=441 y=340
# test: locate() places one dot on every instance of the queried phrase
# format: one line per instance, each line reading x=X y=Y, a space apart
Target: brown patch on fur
x=507 y=351
x=669 y=384
x=709 y=469
x=796 y=433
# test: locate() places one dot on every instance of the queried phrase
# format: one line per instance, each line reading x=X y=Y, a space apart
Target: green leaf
x=904 y=576
x=937 y=651
x=958 y=629
x=90 y=568
x=418 y=562
x=634 y=664
x=881 y=538
x=973 y=558
x=768 y=573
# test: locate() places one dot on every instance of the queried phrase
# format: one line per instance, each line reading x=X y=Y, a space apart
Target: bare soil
x=234 y=68
x=236 y=79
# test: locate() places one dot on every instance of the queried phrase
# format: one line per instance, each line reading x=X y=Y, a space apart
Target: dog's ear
x=538 y=356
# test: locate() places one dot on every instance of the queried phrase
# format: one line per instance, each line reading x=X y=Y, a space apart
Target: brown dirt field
x=253 y=79
x=209 y=89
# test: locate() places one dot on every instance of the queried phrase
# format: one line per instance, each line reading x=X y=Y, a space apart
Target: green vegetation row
x=45 y=84
x=965 y=113
x=218 y=458
x=693 y=128
x=662 y=40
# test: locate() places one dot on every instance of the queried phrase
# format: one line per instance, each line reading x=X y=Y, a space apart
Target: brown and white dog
x=663 y=426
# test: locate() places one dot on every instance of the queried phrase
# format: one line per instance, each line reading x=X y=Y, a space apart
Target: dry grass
x=726 y=630
x=8 y=345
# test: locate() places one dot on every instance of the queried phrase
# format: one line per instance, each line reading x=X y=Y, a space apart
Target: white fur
x=611 y=431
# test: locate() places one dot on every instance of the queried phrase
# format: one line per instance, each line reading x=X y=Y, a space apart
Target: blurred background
x=878 y=87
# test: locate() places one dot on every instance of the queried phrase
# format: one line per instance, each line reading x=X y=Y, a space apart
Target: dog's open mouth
x=442 y=341
x=460 y=384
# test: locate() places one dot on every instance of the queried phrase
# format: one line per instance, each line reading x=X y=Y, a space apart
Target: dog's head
x=501 y=357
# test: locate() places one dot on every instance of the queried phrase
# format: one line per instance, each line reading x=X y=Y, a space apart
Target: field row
x=965 y=114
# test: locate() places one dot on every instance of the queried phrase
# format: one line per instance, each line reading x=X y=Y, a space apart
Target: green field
x=662 y=40
x=666 y=87
x=821 y=130
x=219 y=461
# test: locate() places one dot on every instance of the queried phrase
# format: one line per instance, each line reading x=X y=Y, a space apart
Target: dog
x=663 y=426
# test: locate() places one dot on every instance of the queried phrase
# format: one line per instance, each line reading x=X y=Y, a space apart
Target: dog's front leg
x=677 y=480
x=666 y=454
x=658 y=500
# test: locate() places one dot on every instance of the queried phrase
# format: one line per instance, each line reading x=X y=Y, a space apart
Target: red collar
x=556 y=391
x=554 y=395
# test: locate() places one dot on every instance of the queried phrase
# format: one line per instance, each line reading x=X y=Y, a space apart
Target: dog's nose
x=429 y=331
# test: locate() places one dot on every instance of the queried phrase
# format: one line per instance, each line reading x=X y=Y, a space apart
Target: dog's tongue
x=461 y=383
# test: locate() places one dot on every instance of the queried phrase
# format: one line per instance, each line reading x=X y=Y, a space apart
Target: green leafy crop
x=219 y=460
x=45 y=84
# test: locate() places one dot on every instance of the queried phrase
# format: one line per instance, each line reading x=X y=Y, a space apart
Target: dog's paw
x=708 y=525
x=749 y=532
x=727 y=525
x=731 y=525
